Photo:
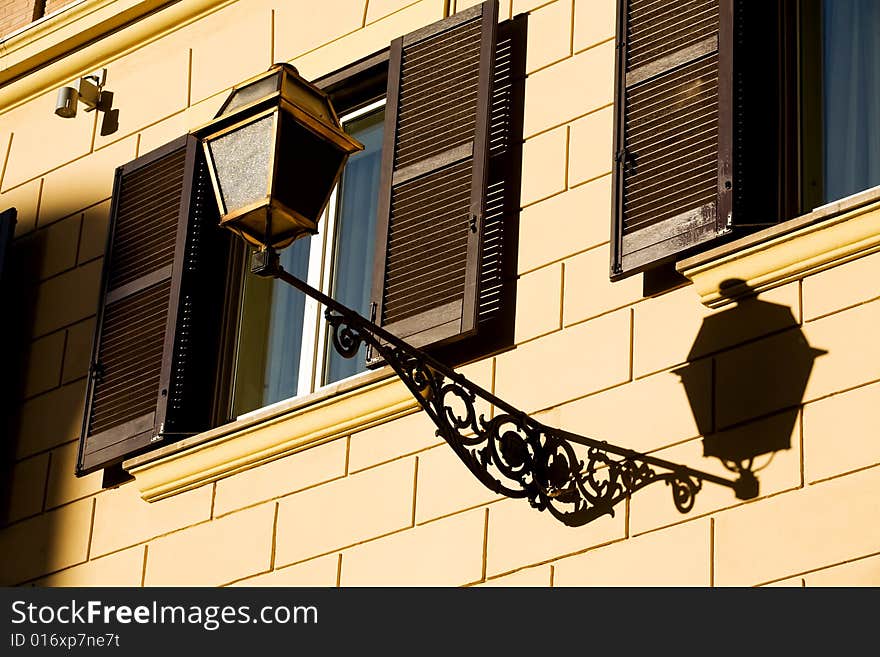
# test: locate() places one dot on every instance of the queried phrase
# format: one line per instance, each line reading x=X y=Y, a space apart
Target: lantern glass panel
x=250 y=93
x=242 y=161
x=307 y=169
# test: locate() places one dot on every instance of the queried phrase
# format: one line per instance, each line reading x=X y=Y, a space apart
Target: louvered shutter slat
x=673 y=138
x=432 y=204
x=126 y=390
x=436 y=263
x=500 y=236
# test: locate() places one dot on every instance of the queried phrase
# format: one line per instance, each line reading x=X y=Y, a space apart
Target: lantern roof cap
x=281 y=86
x=280 y=80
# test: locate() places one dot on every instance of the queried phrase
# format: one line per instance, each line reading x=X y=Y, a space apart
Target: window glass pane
x=355 y=234
x=270 y=335
x=851 y=96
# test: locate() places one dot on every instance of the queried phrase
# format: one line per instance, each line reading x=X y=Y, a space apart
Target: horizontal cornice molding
x=232 y=449
x=83 y=37
x=786 y=252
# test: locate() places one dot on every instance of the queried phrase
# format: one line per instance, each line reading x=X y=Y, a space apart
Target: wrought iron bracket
x=575 y=478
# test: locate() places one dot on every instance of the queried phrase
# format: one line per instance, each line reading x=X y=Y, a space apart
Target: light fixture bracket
x=89 y=89
x=575 y=478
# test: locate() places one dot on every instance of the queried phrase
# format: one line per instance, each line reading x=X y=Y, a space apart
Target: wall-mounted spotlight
x=88 y=90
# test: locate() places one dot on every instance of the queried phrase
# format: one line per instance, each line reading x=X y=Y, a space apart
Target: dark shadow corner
x=661 y=280
x=19 y=291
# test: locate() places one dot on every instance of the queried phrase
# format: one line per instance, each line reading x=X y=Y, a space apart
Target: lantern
x=275 y=151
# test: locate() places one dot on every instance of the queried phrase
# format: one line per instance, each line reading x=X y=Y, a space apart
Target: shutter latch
x=473 y=222
x=96 y=371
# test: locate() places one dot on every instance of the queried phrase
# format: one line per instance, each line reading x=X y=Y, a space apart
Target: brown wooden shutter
x=673 y=138
x=706 y=138
x=432 y=199
x=156 y=338
x=496 y=302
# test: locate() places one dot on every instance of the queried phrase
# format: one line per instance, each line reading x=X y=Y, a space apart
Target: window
x=282 y=347
x=420 y=235
x=735 y=115
x=841 y=99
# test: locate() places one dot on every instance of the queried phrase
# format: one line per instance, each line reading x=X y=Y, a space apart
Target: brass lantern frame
x=314 y=112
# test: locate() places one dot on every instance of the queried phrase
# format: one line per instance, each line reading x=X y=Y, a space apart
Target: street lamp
x=275 y=152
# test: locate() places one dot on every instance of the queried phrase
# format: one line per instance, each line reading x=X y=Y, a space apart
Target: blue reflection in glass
x=851 y=77
x=270 y=335
x=355 y=234
x=286 y=327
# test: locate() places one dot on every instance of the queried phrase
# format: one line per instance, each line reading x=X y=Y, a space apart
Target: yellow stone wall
x=15 y=14
x=390 y=504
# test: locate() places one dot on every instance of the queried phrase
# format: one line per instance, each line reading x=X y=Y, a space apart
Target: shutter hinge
x=159 y=436
x=617 y=268
x=620 y=45
x=473 y=223
x=373 y=307
x=728 y=226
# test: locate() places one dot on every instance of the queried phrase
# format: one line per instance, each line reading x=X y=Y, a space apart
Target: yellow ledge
x=83 y=37
x=787 y=252
x=235 y=448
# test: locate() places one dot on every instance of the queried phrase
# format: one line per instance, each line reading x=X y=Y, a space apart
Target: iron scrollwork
x=511 y=453
x=575 y=478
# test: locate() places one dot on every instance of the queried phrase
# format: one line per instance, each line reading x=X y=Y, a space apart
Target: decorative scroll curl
x=577 y=479
x=511 y=453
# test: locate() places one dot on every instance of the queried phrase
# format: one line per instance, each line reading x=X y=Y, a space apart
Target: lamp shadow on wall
x=764 y=380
